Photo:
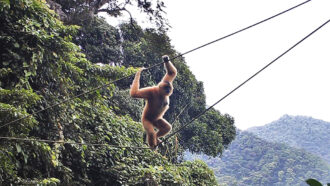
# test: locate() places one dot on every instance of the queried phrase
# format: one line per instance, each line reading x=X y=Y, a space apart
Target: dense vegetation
x=299 y=132
x=42 y=64
x=250 y=160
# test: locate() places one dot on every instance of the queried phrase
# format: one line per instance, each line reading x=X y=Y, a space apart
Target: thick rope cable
x=240 y=85
x=72 y=143
x=152 y=66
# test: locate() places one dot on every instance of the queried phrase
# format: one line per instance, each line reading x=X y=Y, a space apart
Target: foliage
x=250 y=160
x=42 y=67
x=80 y=9
x=313 y=182
x=99 y=41
x=207 y=136
x=301 y=132
x=123 y=104
x=199 y=174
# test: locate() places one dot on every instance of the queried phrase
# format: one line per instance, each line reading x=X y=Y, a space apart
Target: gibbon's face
x=166 y=88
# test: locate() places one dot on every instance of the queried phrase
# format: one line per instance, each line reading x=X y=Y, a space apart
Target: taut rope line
x=262 y=69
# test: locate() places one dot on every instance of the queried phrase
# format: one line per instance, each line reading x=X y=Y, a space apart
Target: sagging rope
x=72 y=143
x=112 y=82
x=240 y=85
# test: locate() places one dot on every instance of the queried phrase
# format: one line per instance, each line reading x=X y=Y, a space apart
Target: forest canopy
x=45 y=61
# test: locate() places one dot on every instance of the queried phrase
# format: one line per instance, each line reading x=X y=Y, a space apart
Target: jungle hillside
x=66 y=116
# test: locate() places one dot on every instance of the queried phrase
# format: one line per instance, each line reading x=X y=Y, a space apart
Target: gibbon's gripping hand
x=166 y=59
x=141 y=69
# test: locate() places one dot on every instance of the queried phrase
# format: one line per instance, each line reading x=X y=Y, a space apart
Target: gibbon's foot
x=155 y=148
x=159 y=143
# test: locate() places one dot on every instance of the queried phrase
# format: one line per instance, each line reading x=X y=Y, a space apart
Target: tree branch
x=114 y=13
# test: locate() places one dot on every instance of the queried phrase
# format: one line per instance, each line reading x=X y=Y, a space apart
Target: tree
x=99 y=41
x=80 y=9
x=210 y=134
x=40 y=66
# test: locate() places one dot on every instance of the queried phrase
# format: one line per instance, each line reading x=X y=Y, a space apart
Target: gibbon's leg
x=163 y=127
x=151 y=134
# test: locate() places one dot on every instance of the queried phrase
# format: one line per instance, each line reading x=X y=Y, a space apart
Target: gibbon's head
x=165 y=88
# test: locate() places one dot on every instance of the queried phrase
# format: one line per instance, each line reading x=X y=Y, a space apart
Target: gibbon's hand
x=141 y=69
x=166 y=59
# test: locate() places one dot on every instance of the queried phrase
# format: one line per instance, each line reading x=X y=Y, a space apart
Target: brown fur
x=157 y=103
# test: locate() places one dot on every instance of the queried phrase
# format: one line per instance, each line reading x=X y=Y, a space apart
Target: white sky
x=297 y=84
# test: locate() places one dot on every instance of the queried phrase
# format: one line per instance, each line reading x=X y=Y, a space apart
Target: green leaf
x=27 y=73
x=5 y=1
x=313 y=182
x=18 y=148
x=25 y=64
x=25 y=157
x=5 y=63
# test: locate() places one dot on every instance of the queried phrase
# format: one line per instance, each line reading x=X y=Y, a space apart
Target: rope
x=243 y=29
x=177 y=117
x=73 y=143
x=262 y=69
x=107 y=84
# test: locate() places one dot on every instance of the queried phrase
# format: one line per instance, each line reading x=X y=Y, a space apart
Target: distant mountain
x=307 y=133
x=250 y=160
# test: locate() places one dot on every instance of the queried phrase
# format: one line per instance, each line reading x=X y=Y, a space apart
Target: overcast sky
x=297 y=84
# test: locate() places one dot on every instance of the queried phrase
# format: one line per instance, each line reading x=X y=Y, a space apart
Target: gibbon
x=157 y=103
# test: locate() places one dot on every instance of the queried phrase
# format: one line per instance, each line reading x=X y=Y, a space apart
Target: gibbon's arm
x=135 y=91
x=170 y=70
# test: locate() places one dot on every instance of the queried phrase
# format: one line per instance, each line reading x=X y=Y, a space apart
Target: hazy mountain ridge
x=252 y=160
x=299 y=132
